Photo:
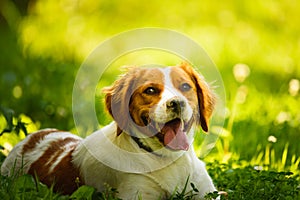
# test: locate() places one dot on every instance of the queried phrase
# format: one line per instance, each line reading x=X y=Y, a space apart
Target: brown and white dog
x=145 y=152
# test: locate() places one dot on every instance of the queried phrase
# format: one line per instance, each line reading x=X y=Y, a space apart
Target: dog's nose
x=175 y=104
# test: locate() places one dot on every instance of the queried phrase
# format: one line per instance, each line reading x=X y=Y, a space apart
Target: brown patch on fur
x=180 y=77
x=206 y=99
x=35 y=138
x=126 y=99
x=64 y=175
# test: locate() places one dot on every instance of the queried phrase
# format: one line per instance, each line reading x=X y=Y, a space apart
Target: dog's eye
x=185 y=87
x=151 y=91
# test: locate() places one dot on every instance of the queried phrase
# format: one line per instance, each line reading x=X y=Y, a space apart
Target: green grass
x=25 y=187
x=251 y=182
x=238 y=182
x=40 y=53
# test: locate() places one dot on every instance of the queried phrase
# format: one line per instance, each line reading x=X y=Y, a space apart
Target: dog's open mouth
x=172 y=134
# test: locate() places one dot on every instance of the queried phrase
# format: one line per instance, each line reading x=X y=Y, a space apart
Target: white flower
x=283 y=117
x=294 y=87
x=258 y=168
x=272 y=138
x=241 y=71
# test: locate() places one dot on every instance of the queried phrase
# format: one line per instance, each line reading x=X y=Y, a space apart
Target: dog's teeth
x=182 y=124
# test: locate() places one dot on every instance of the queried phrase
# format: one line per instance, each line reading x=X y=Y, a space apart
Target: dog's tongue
x=174 y=137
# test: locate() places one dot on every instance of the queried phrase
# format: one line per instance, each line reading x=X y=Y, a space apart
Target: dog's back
x=46 y=154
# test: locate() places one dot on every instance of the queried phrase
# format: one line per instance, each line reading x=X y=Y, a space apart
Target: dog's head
x=159 y=106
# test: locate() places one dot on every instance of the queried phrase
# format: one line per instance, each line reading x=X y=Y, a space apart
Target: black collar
x=141 y=145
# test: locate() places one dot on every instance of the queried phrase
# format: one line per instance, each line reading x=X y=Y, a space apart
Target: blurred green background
x=255 y=45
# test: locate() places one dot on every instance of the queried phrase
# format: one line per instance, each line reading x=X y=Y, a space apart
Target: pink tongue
x=174 y=137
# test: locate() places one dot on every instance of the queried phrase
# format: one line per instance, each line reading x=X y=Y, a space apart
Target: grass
x=271 y=172
x=259 y=178
x=25 y=187
x=251 y=182
x=238 y=182
x=261 y=38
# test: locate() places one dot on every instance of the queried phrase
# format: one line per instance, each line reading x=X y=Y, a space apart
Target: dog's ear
x=206 y=98
x=117 y=99
x=109 y=93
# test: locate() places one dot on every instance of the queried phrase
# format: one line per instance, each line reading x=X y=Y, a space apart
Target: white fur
x=119 y=162
x=160 y=114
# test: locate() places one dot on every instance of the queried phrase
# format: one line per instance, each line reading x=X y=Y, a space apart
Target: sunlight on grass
x=15 y=134
x=255 y=45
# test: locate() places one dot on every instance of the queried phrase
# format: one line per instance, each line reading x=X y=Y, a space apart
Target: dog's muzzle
x=175 y=105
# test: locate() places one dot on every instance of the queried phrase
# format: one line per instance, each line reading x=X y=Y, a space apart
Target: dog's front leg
x=201 y=179
x=137 y=186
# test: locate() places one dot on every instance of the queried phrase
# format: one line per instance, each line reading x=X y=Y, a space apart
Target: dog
x=146 y=152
